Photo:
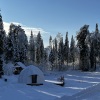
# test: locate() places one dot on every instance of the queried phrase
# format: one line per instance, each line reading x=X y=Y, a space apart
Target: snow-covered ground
x=78 y=86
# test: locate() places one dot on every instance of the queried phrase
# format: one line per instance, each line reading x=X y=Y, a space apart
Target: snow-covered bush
x=8 y=69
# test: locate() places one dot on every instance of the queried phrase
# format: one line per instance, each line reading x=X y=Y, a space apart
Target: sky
x=51 y=16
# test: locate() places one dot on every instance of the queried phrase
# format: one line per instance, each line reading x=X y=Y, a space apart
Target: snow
x=8 y=68
x=21 y=64
x=78 y=86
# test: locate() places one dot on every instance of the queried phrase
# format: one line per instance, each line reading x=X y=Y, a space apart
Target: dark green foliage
x=39 y=49
x=84 y=55
x=61 y=54
x=72 y=51
x=32 y=48
x=66 y=49
x=52 y=57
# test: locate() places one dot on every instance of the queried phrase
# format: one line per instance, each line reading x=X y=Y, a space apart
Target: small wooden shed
x=19 y=66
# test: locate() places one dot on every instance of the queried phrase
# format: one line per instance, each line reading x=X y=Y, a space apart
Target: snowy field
x=78 y=86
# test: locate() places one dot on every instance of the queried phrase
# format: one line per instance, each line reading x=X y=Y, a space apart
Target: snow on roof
x=28 y=71
x=21 y=64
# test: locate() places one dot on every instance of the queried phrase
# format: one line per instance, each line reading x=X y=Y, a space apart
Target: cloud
x=28 y=30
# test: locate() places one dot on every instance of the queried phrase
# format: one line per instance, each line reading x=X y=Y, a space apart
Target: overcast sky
x=51 y=16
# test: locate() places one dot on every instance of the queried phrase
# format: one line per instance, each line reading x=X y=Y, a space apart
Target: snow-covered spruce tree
x=45 y=57
x=50 y=41
x=52 y=57
x=55 y=52
x=97 y=43
x=72 y=50
x=39 y=49
x=66 y=49
x=32 y=48
x=38 y=56
x=42 y=51
x=2 y=41
x=9 y=48
x=17 y=44
x=94 y=42
x=61 y=54
x=16 y=57
x=84 y=51
x=92 y=57
x=23 y=44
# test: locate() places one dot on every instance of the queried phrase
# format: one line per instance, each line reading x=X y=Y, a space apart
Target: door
x=34 y=78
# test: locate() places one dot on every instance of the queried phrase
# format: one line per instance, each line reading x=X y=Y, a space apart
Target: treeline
x=86 y=51
x=15 y=47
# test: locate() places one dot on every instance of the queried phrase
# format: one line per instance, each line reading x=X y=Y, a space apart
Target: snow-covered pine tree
x=92 y=57
x=94 y=41
x=97 y=42
x=16 y=57
x=66 y=49
x=32 y=48
x=17 y=44
x=2 y=39
x=45 y=60
x=23 y=44
x=61 y=54
x=9 y=49
x=50 y=41
x=45 y=57
x=52 y=57
x=38 y=56
x=84 y=50
x=38 y=51
x=55 y=50
x=42 y=50
x=72 y=50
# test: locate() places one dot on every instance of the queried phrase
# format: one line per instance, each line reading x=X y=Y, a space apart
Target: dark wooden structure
x=34 y=78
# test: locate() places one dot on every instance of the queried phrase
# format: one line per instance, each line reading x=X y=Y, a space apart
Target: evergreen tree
x=9 y=49
x=55 y=50
x=84 y=54
x=66 y=49
x=22 y=44
x=72 y=50
x=16 y=57
x=60 y=54
x=92 y=56
x=38 y=56
x=32 y=48
x=2 y=44
x=52 y=57
x=50 y=41
x=38 y=51
x=96 y=29
x=42 y=50
x=17 y=44
x=97 y=43
x=45 y=56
